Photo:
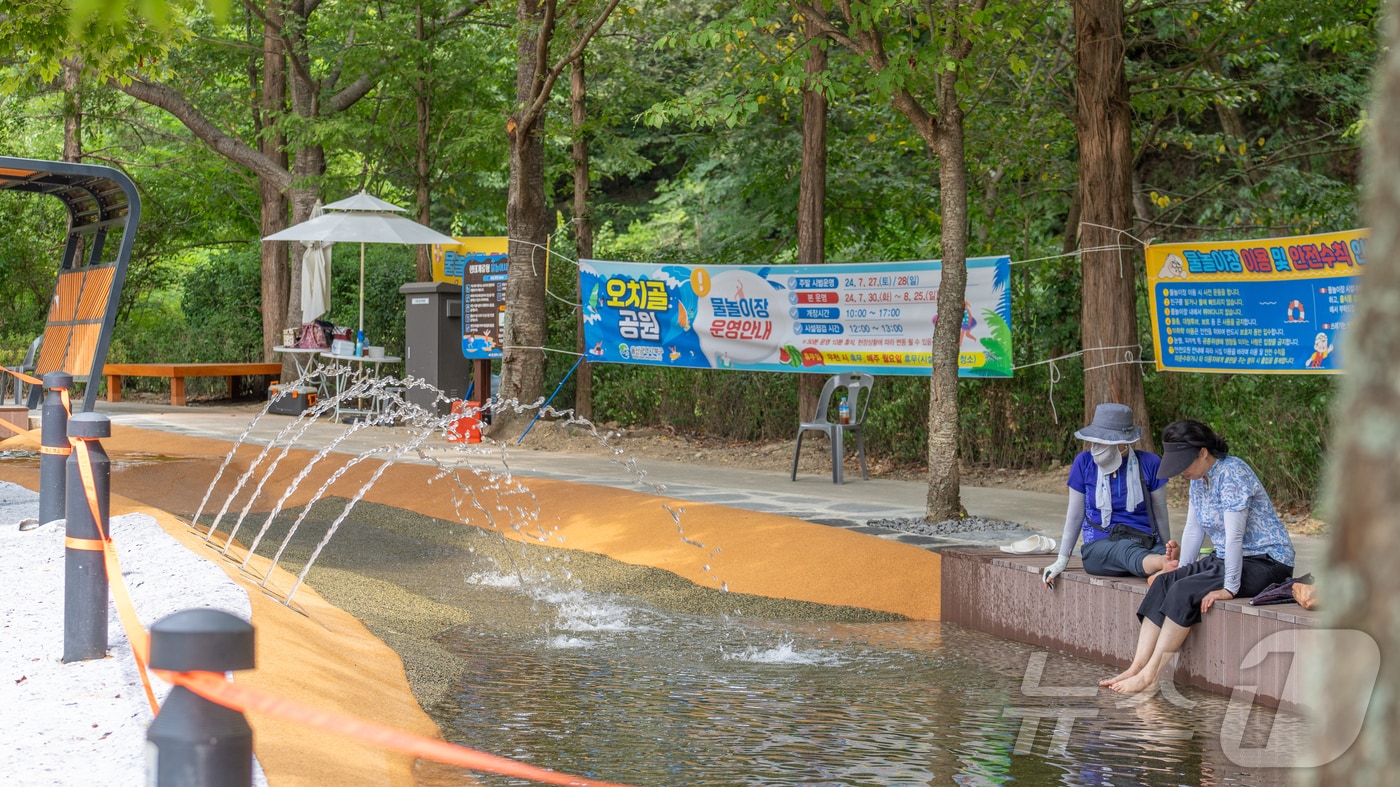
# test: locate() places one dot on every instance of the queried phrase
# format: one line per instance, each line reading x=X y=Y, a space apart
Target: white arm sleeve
x=1234 y=550
x=1074 y=523
x=1159 y=513
x=1192 y=536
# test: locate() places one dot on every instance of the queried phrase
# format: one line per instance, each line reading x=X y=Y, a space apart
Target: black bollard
x=85 y=573
x=54 y=437
x=194 y=742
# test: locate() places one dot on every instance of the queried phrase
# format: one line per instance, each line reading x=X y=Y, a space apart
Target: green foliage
x=1277 y=423
x=219 y=300
x=1247 y=123
x=28 y=262
x=386 y=269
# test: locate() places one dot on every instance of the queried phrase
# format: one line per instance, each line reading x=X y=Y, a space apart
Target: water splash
x=484 y=493
x=785 y=653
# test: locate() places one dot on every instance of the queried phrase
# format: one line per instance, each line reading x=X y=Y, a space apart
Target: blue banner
x=1275 y=306
x=870 y=317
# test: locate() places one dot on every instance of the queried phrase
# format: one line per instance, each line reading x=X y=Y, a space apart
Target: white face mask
x=1107 y=457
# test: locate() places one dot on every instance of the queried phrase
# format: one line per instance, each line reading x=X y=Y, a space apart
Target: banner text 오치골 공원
x=870 y=317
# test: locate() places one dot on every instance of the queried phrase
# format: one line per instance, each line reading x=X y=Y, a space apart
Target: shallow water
x=611 y=688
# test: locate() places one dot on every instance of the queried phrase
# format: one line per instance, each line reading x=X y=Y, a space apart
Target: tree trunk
x=1104 y=127
x=72 y=110
x=73 y=131
x=309 y=163
x=527 y=216
x=422 y=168
x=583 y=230
x=811 y=198
x=944 y=499
x=527 y=223
x=1361 y=583
x=276 y=276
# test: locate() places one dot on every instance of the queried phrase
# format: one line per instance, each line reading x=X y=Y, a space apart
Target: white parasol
x=363 y=219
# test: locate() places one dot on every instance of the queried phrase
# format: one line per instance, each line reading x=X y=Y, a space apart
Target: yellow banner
x=1272 y=306
x=450 y=260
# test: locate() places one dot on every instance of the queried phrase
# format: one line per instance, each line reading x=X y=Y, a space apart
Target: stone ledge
x=1096 y=618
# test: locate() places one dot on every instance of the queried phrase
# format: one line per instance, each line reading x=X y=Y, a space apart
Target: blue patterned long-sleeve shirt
x=1231 y=506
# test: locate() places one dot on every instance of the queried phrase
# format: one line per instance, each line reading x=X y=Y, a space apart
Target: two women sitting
x=1126 y=532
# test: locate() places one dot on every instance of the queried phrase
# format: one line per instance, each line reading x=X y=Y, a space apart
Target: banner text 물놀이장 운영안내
x=869 y=317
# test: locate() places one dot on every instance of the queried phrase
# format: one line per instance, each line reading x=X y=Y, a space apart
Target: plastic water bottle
x=359 y=344
x=844 y=411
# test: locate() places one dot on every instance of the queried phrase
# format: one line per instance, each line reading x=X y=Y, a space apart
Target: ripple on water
x=678 y=699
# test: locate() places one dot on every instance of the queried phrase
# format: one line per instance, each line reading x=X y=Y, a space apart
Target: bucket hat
x=1112 y=425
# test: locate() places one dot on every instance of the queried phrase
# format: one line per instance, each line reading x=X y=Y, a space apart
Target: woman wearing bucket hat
x=1116 y=503
x=1228 y=503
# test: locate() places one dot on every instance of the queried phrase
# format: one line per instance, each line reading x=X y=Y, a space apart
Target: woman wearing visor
x=1116 y=503
x=1228 y=503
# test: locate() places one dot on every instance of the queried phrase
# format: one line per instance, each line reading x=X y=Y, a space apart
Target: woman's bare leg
x=1168 y=642
x=1147 y=642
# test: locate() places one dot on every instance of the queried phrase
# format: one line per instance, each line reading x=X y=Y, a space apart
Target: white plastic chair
x=857 y=387
x=26 y=367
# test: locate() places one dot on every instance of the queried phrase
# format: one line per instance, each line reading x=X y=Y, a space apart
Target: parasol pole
x=362 y=287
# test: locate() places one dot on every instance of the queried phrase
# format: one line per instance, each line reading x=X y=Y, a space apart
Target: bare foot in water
x=1135 y=684
x=1122 y=676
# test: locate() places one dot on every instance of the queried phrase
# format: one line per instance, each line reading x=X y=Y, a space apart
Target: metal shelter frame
x=83 y=310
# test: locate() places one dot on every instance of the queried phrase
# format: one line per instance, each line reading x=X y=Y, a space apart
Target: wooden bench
x=177 y=372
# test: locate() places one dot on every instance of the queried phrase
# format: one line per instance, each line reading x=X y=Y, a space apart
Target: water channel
x=615 y=688
x=525 y=653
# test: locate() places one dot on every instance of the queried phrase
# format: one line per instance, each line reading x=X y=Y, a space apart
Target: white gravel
x=85 y=723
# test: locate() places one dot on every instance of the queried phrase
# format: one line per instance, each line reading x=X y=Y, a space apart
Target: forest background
x=1247 y=119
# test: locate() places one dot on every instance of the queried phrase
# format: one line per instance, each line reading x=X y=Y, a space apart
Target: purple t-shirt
x=1084 y=477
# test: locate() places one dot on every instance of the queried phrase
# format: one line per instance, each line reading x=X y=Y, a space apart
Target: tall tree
x=527 y=214
x=73 y=109
x=1103 y=123
x=1361 y=583
x=811 y=195
x=422 y=163
x=583 y=227
x=276 y=282
x=916 y=59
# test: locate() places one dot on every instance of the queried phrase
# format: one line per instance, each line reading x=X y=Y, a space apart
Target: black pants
x=1178 y=595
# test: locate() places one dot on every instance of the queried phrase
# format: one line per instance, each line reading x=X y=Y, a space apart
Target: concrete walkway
x=811 y=498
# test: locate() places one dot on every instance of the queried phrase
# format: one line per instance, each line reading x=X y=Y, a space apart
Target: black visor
x=1176 y=457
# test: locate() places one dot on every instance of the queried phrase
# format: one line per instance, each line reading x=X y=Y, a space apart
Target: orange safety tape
x=85 y=544
x=12 y=427
x=49 y=449
x=67 y=405
x=214 y=687
x=126 y=610
x=22 y=376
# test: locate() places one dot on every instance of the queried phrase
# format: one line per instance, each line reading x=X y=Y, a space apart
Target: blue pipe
x=540 y=412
